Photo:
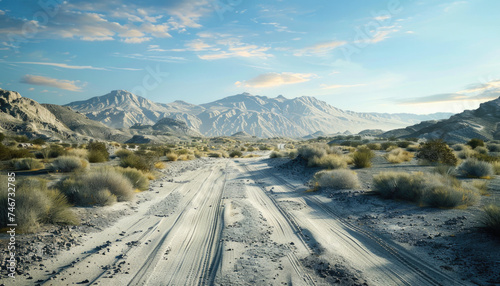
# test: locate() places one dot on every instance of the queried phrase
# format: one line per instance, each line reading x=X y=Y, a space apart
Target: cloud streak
x=66 y=66
x=52 y=82
x=274 y=79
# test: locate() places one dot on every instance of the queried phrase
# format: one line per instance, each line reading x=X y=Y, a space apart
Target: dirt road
x=236 y=222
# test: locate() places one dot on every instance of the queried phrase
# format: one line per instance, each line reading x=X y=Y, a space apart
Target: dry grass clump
x=481 y=150
x=28 y=164
x=123 y=153
x=80 y=153
x=139 y=162
x=491 y=218
x=459 y=147
x=398 y=155
x=337 y=179
x=329 y=161
x=278 y=154
x=159 y=165
x=236 y=153
x=138 y=179
x=102 y=186
x=374 y=146
x=36 y=204
x=466 y=153
x=309 y=151
x=214 y=155
x=68 y=164
x=474 y=168
x=387 y=145
x=425 y=188
x=172 y=157
x=496 y=167
x=362 y=158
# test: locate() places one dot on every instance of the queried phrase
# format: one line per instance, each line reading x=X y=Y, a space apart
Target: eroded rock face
x=7 y=96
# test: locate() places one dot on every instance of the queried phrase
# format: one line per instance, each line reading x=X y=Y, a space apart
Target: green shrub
x=362 y=158
x=374 y=146
x=214 y=155
x=338 y=179
x=97 y=152
x=491 y=218
x=235 y=153
x=250 y=149
x=28 y=164
x=276 y=154
x=425 y=188
x=436 y=151
x=475 y=142
x=492 y=147
x=387 y=145
x=2 y=137
x=182 y=152
x=309 y=151
x=474 y=168
x=55 y=151
x=264 y=148
x=292 y=154
x=8 y=153
x=123 y=153
x=68 y=164
x=459 y=147
x=135 y=161
x=102 y=186
x=38 y=141
x=136 y=177
x=330 y=161
x=403 y=144
x=35 y=204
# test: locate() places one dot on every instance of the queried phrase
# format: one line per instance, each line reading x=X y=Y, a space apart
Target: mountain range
x=256 y=115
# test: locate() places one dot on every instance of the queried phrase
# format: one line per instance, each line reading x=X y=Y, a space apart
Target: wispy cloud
x=320 y=48
x=275 y=79
x=234 y=47
x=336 y=86
x=59 y=65
x=52 y=82
x=380 y=34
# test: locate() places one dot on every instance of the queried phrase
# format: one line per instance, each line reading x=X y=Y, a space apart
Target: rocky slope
x=483 y=123
x=257 y=115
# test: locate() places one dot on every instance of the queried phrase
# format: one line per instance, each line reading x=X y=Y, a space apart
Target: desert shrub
x=97 y=152
x=235 y=153
x=386 y=145
x=137 y=178
x=159 y=165
x=292 y=154
x=496 y=167
x=475 y=142
x=264 y=147
x=338 y=179
x=214 y=155
x=429 y=189
x=330 y=161
x=466 y=153
x=55 y=151
x=481 y=186
x=67 y=164
x=182 y=152
x=403 y=144
x=492 y=147
x=2 y=137
x=491 y=218
x=80 y=153
x=123 y=153
x=28 y=164
x=474 y=168
x=135 y=161
x=276 y=154
x=251 y=149
x=362 y=158
x=309 y=151
x=198 y=154
x=35 y=204
x=481 y=150
x=459 y=147
x=436 y=151
x=444 y=170
x=102 y=186
x=172 y=157
x=412 y=148
x=8 y=153
x=374 y=146
x=398 y=155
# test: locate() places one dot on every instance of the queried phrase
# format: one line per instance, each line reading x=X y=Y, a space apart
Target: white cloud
x=136 y=40
x=66 y=66
x=320 y=48
x=52 y=82
x=275 y=79
x=380 y=34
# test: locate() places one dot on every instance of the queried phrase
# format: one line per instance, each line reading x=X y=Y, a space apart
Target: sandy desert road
x=236 y=222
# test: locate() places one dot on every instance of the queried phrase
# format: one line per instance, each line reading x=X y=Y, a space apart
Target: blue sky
x=376 y=56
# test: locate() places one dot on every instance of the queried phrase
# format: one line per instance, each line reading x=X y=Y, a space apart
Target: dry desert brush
x=473 y=168
x=491 y=218
x=28 y=164
x=337 y=179
x=362 y=158
x=398 y=155
x=68 y=164
x=438 y=152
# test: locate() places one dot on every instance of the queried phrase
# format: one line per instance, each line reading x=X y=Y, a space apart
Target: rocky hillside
x=256 y=115
x=483 y=123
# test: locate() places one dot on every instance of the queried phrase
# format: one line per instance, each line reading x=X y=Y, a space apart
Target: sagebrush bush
x=475 y=142
x=466 y=153
x=496 y=167
x=123 y=153
x=68 y=164
x=235 y=153
x=444 y=170
x=101 y=186
x=398 y=155
x=278 y=154
x=172 y=157
x=413 y=148
x=80 y=153
x=28 y=164
x=139 y=162
x=214 y=155
x=374 y=146
x=493 y=147
x=36 y=204
x=138 y=179
x=8 y=153
x=491 y=218
x=338 y=179
x=309 y=151
x=429 y=189
x=362 y=158
x=403 y=144
x=329 y=161
x=481 y=150
x=97 y=152
x=459 y=147
x=436 y=151
x=386 y=145
x=474 y=168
